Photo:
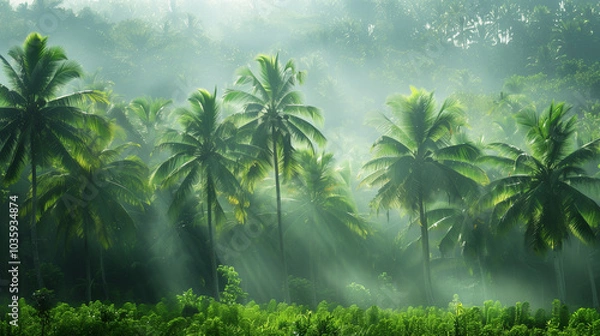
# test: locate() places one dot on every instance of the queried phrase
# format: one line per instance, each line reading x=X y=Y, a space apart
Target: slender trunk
x=482 y=274
x=213 y=256
x=88 y=268
x=33 y=226
x=103 y=275
x=592 y=277
x=425 y=246
x=286 y=288
x=559 y=273
x=311 y=265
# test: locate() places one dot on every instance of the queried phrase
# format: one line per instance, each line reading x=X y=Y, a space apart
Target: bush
x=233 y=292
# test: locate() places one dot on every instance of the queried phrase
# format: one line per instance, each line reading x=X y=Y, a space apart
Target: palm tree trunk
x=103 y=275
x=311 y=265
x=482 y=275
x=33 y=226
x=425 y=246
x=592 y=277
x=559 y=273
x=213 y=256
x=286 y=289
x=88 y=268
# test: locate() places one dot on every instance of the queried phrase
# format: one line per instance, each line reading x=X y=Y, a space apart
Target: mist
x=498 y=62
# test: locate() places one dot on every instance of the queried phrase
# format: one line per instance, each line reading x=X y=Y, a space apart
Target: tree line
x=98 y=170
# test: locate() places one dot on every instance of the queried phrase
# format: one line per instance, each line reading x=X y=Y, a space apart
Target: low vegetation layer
x=189 y=314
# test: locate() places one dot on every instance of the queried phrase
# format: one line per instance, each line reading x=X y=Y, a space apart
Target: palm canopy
x=95 y=202
x=273 y=111
x=415 y=158
x=323 y=198
x=201 y=153
x=146 y=113
x=545 y=188
x=35 y=124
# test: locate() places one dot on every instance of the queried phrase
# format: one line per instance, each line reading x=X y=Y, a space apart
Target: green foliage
x=217 y=318
x=560 y=315
x=233 y=292
x=543 y=50
x=300 y=290
x=359 y=295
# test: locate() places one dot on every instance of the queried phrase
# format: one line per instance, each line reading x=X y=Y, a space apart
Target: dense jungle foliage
x=190 y=314
x=365 y=153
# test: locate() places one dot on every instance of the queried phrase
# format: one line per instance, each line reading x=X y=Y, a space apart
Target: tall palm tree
x=274 y=117
x=92 y=202
x=323 y=207
x=201 y=157
x=544 y=188
x=415 y=162
x=36 y=125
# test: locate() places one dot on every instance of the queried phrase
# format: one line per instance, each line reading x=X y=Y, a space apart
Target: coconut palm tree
x=415 y=162
x=466 y=225
x=274 y=118
x=146 y=115
x=545 y=187
x=94 y=202
x=322 y=206
x=201 y=158
x=38 y=126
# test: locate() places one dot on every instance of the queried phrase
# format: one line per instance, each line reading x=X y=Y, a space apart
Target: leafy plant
x=233 y=291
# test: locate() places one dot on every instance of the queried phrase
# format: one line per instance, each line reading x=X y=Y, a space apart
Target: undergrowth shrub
x=170 y=318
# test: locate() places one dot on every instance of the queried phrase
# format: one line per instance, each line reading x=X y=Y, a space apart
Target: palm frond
x=65 y=72
x=304 y=132
x=80 y=97
x=10 y=97
x=462 y=152
x=582 y=155
x=507 y=149
x=13 y=75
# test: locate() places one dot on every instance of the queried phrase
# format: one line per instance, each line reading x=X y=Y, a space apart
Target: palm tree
x=92 y=202
x=415 y=162
x=201 y=157
x=36 y=125
x=544 y=188
x=323 y=207
x=274 y=117
x=146 y=115
x=464 y=224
